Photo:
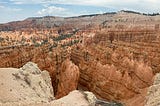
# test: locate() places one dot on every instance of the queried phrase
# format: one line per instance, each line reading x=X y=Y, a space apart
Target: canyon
x=115 y=56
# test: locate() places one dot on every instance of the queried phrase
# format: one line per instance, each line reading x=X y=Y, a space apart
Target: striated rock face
x=153 y=94
x=121 y=79
x=67 y=78
x=25 y=85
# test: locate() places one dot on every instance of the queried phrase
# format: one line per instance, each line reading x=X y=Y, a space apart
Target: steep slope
x=124 y=20
x=54 y=22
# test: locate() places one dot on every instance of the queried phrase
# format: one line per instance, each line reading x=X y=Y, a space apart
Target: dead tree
x=111 y=36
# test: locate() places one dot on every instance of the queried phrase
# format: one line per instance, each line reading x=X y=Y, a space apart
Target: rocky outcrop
x=153 y=94
x=25 y=85
x=67 y=78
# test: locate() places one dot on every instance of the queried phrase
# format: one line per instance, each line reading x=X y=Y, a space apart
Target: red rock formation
x=67 y=79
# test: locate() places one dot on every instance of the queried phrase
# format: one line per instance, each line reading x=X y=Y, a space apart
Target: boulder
x=25 y=85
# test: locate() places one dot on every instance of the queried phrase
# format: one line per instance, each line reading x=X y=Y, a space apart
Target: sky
x=14 y=10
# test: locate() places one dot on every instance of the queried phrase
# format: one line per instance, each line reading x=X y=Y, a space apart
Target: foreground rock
x=74 y=98
x=153 y=96
x=25 y=85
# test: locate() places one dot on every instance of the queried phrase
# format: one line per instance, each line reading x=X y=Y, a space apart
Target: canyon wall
x=129 y=76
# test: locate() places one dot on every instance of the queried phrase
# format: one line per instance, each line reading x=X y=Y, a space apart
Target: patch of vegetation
x=62 y=37
x=37 y=44
x=71 y=43
x=128 y=11
x=1 y=39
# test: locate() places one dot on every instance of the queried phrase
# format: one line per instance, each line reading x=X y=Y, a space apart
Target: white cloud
x=15 y=9
x=9 y=9
x=1 y=6
x=74 y=2
x=139 y=5
x=59 y=11
x=51 y=10
x=26 y=1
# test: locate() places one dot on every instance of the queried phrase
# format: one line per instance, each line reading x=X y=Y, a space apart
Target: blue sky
x=13 y=10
